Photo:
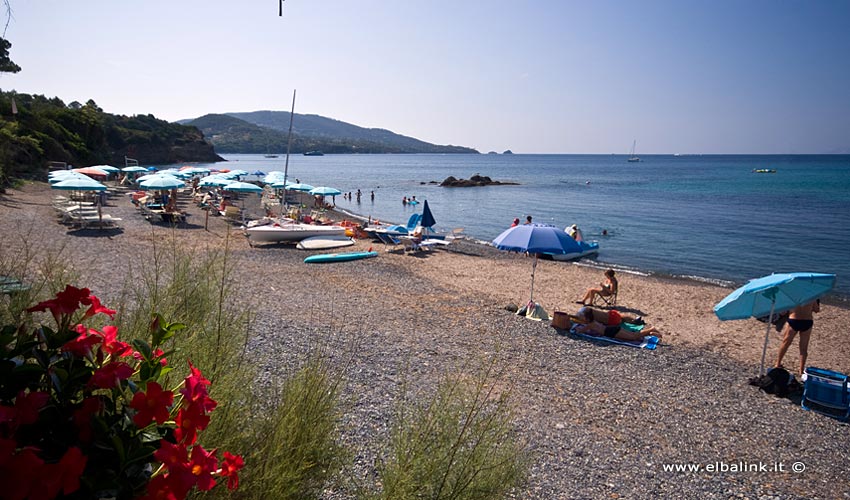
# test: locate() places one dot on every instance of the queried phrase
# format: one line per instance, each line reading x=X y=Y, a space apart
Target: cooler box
x=827 y=392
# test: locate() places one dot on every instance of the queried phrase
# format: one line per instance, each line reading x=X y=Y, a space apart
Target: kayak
x=339 y=257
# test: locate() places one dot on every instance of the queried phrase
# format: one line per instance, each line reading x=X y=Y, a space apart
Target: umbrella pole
x=533 y=267
x=766 y=336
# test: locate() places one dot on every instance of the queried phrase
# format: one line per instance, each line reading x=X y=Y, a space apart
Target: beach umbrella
x=536 y=239
x=147 y=177
x=107 y=168
x=279 y=184
x=82 y=183
x=427 y=217
x=258 y=173
x=242 y=187
x=162 y=182
x=214 y=180
x=151 y=169
x=300 y=187
x=92 y=171
x=134 y=169
x=770 y=295
x=238 y=173
x=325 y=191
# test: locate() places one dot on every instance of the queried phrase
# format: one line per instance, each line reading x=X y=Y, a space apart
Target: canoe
x=325 y=242
x=339 y=257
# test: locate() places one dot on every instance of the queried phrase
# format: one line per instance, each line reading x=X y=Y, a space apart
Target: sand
x=599 y=420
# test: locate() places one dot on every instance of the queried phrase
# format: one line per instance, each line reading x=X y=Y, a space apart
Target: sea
x=709 y=218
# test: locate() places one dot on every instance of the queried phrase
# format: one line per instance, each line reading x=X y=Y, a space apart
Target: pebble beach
x=599 y=420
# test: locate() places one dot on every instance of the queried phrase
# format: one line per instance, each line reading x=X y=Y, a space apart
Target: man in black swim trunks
x=799 y=321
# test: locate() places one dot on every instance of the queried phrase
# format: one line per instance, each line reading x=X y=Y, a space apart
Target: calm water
x=706 y=217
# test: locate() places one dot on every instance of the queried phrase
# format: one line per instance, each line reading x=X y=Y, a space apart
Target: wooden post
x=206 y=218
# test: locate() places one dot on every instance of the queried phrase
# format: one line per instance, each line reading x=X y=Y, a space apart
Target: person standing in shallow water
x=801 y=320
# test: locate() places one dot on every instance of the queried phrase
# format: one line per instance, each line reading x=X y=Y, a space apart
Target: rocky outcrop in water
x=475 y=180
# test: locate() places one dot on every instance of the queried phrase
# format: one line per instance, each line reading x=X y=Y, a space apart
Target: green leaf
x=143 y=454
x=150 y=436
x=143 y=347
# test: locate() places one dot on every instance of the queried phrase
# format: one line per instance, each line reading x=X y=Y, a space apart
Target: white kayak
x=325 y=242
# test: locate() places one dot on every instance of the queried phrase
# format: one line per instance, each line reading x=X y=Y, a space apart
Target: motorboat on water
x=586 y=249
x=286 y=230
x=764 y=170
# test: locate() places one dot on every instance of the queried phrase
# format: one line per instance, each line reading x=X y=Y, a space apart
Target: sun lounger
x=9 y=285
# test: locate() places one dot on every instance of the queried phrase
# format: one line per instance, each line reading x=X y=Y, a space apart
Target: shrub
x=83 y=414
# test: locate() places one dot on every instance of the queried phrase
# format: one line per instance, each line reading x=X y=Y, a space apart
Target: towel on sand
x=648 y=342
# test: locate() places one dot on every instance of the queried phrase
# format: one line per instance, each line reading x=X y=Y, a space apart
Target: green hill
x=266 y=131
x=46 y=129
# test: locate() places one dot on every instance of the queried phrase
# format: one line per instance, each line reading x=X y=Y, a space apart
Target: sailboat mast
x=288 y=146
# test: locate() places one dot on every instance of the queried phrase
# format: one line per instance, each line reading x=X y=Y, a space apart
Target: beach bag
x=777 y=381
x=536 y=312
x=561 y=320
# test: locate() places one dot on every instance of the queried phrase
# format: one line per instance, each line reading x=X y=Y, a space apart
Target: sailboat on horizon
x=632 y=156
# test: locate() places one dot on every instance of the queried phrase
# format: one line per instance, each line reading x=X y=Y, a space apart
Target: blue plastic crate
x=827 y=392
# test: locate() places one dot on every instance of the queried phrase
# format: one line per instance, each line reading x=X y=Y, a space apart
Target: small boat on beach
x=339 y=257
x=286 y=231
x=325 y=242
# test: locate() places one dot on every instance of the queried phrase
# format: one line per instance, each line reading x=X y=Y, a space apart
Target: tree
x=6 y=64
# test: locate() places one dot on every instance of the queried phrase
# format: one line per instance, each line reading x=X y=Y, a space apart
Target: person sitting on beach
x=597 y=329
x=607 y=288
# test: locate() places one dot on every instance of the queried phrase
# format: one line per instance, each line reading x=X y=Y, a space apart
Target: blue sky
x=743 y=76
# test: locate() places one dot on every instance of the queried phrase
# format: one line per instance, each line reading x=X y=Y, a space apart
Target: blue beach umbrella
x=214 y=180
x=427 y=217
x=536 y=239
x=773 y=294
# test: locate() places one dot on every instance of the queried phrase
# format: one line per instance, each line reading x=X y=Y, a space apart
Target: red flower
x=66 y=302
x=83 y=415
x=97 y=308
x=82 y=345
x=151 y=405
x=190 y=420
x=18 y=473
x=173 y=456
x=71 y=467
x=161 y=488
x=195 y=389
x=27 y=406
x=230 y=467
x=111 y=344
x=110 y=375
x=203 y=465
x=157 y=353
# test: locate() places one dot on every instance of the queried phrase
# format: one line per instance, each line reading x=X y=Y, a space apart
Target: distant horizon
x=548 y=77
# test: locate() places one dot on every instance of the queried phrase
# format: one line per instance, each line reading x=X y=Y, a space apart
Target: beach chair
x=826 y=392
x=410 y=245
x=608 y=301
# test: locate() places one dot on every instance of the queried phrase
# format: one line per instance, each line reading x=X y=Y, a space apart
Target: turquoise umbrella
x=300 y=187
x=325 y=191
x=242 y=187
x=162 y=182
x=82 y=183
x=773 y=294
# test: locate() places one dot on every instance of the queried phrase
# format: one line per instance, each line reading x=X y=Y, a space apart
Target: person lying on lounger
x=597 y=329
x=611 y=317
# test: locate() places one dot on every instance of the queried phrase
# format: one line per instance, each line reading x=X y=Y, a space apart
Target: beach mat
x=649 y=342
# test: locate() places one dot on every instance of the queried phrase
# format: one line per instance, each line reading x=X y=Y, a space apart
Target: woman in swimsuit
x=606 y=289
x=799 y=321
x=598 y=329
